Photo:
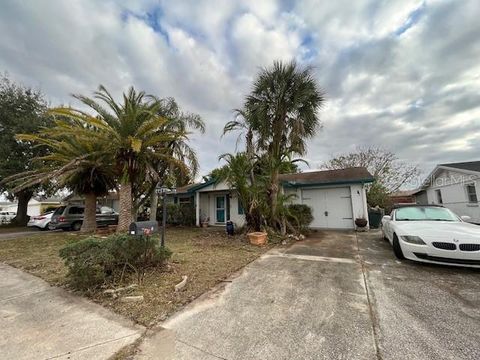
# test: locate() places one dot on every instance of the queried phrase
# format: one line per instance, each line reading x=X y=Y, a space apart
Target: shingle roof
x=469 y=165
x=328 y=177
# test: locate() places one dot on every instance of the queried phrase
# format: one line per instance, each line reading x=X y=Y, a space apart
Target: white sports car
x=432 y=234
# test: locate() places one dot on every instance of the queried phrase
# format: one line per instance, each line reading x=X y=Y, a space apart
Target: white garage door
x=332 y=208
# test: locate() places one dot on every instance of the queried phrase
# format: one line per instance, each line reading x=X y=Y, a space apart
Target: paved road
x=335 y=296
x=38 y=321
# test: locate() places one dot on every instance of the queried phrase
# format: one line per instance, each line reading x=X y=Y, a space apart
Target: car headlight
x=413 y=239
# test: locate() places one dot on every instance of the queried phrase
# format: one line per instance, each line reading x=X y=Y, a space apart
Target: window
x=471 y=193
x=76 y=210
x=439 y=196
x=424 y=213
x=184 y=200
x=241 y=211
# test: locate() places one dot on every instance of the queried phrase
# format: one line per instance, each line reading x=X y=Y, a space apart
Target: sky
x=400 y=74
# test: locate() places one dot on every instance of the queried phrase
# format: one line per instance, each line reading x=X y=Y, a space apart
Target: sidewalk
x=38 y=321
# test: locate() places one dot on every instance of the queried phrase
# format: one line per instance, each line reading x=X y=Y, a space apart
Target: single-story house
x=455 y=186
x=111 y=200
x=36 y=206
x=337 y=198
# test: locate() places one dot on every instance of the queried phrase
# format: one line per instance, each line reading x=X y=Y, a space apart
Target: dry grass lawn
x=205 y=256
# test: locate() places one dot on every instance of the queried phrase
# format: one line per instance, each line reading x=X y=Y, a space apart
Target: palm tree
x=134 y=133
x=73 y=161
x=281 y=114
x=178 y=148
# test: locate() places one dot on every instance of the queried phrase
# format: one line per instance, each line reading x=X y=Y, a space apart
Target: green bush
x=300 y=216
x=93 y=261
x=179 y=214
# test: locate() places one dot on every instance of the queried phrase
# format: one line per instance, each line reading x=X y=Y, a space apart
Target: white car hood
x=440 y=230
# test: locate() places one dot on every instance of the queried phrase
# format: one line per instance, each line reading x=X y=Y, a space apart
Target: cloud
x=402 y=74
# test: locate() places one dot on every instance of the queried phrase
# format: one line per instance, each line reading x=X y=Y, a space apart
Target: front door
x=220 y=209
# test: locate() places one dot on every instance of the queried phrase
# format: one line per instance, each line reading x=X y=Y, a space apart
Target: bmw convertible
x=432 y=234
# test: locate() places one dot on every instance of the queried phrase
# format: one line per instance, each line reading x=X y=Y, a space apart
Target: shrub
x=300 y=216
x=179 y=214
x=93 y=261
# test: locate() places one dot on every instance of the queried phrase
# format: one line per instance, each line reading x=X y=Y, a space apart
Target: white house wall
x=208 y=206
x=358 y=198
x=452 y=185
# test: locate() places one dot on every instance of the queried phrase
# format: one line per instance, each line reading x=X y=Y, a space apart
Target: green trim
x=201 y=186
x=340 y=182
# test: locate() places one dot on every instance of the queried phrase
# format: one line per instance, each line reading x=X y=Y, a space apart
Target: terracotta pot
x=257 y=238
x=204 y=224
x=361 y=222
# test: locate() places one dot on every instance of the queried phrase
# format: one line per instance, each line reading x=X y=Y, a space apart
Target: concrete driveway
x=38 y=321
x=338 y=295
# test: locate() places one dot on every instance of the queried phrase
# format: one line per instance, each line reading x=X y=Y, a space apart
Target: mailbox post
x=162 y=191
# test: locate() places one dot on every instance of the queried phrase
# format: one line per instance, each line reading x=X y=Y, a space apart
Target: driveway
x=337 y=295
x=38 y=321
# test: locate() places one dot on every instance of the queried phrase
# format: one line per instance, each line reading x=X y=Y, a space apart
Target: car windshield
x=427 y=213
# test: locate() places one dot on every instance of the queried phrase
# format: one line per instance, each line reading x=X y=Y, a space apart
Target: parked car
x=432 y=234
x=70 y=217
x=41 y=221
x=6 y=216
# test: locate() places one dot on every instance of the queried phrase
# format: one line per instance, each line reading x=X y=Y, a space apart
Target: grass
x=205 y=256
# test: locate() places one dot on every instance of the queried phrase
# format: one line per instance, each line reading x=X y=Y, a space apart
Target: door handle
x=326 y=213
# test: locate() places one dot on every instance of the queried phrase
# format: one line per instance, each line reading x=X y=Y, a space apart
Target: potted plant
x=361 y=223
x=205 y=221
x=258 y=238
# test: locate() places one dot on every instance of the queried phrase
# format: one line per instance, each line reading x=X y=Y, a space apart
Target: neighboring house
x=36 y=206
x=455 y=186
x=111 y=200
x=337 y=198
x=403 y=197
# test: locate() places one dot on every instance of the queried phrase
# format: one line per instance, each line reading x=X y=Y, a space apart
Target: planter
x=257 y=238
x=204 y=224
x=361 y=223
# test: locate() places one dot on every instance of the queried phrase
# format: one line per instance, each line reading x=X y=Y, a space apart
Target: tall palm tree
x=133 y=132
x=73 y=161
x=178 y=148
x=282 y=114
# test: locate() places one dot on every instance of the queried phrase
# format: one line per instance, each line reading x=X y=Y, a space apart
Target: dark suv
x=70 y=217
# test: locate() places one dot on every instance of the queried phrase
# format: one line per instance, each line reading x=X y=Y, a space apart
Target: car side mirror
x=387 y=217
x=465 y=218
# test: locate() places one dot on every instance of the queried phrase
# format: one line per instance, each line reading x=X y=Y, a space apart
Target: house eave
x=289 y=184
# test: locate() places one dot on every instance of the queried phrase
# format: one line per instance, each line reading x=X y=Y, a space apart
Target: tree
x=22 y=110
x=73 y=161
x=178 y=148
x=389 y=172
x=278 y=117
x=134 y=133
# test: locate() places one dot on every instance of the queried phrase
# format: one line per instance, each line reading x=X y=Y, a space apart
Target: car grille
x=447 y=260
x=444 y=245
x=470 y=247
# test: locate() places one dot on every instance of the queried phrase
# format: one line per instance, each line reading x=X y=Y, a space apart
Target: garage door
x=332 y=208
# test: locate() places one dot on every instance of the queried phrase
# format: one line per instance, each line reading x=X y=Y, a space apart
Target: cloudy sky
x=401 y=74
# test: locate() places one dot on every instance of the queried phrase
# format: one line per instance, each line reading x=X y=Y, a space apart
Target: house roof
x=327 y=177
x=469 y=165
x=403 y=193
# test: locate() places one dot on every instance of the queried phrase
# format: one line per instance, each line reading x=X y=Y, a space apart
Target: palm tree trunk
x=153 y=206
x=125 y=215
x=90 y=216
x=273 y=196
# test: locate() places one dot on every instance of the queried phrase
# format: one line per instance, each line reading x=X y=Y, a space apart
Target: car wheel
x=45 y=228
x=397 y=249
x=76 y=226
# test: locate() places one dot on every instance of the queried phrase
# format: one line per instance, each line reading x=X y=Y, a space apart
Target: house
x=454 y=185
x=36 y=206
x=337 y=198
x=111 y=200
